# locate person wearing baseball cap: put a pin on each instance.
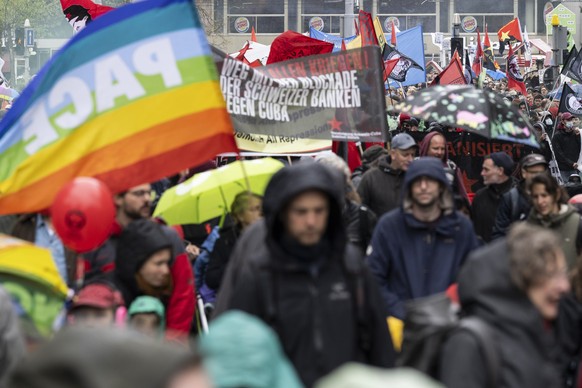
(515, 204)
(566, 143)
(381, 186)
(95, 305)
(496, 172)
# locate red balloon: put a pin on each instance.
(83, 214)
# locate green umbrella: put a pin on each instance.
(209, 194)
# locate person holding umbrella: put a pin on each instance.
(246, 209)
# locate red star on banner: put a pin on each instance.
(335, 124)
(468, 182)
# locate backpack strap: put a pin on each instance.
(484, 335)
(514, 195)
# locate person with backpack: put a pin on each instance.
(418, 249)
(515, 286)
(515, 204)
(297, 272)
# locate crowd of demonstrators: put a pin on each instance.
(317, 264)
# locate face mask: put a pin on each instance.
(569, 124)
(549, 121)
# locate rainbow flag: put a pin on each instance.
(130, 99)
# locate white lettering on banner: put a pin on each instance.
(336, 98)
(36, 122)
(80, 96)
(157, 57)
(273, 111)
(240, 106)
(113, 79)
(234, 68)
(230, 86)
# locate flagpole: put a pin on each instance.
(402, 87)
(553, 154)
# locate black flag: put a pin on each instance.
(570, 102)
(573, 66)
(404, 64)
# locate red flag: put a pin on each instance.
(367, 31)
(478, 56)
(79, 13)
(253, 35)
(291, 45)
(343, 45)
(514, 77)
(511, 32)
(393, 34)
(354, 160)
(488, 57)
(452, 74)
(389, 66)
(356, 27)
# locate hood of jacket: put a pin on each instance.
(136, 243)
(385, 165)
(149, 305)
(486, 290)
(553, 220)
(12, 348)
(299, 178)
(425, 143)
(432, 168)
(99, 358)
(240, 350)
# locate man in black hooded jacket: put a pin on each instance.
(295, 271)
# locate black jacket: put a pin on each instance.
(360, 223)
(506, 215)
(380, 187)
(569, 335)
(567, 149)
(524, 346)
(307, 294)
(220, 255)
(484, 207)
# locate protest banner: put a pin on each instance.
(468, 151)
(337, 96)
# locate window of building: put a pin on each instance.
(266, 16)
(493, 13)
(408, 14)
(325, 15)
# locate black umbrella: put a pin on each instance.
(475, 110)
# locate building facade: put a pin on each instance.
(231, 21)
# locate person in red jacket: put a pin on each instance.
(135, 204)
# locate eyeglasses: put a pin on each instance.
(141, 193)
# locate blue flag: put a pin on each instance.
(411, 44)
(335, 39)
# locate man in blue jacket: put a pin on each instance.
(418, 249)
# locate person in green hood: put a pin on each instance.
(240, 350)
(147, 315)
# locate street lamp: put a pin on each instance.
(456, 40)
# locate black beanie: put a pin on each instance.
(501, 159)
